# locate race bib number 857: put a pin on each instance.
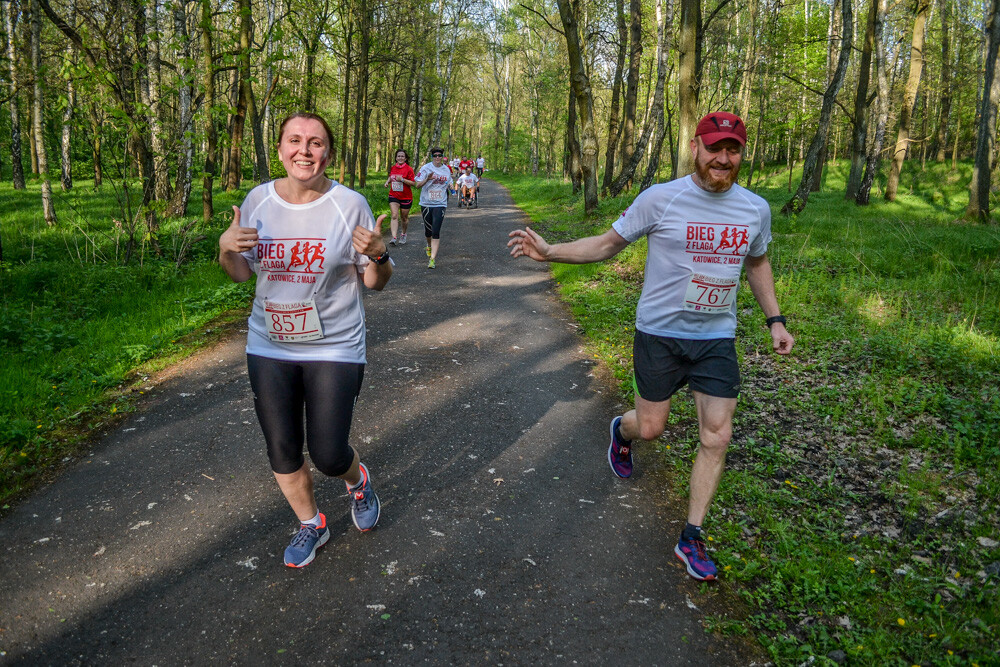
(292, 322)
(708, 294)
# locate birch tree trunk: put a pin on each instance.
(798, 201)
(211, 134)
(614, 129)
(749, 62)
(508, 104)
(632, 86)
(654, 118)
(572, 161)
(585, 103)
(48, 209)
(874, 157)
(66, 165)
(185, 161)
(150, 88)
(345, 115)
(833, 25)
(859, 131)
(17, 169)
(418, 113)
(361, 141)
(234, 177)
(95, 146)
(664, 17)
(446, 79)
(909, 97)
(687, 84)
(979, 187)
(944, 105)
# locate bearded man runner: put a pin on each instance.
(685, 325)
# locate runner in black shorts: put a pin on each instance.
(401, 178)
(702, 230)
(433, 179)
(664, 365)
(313, 246)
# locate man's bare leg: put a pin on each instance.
(715, 430)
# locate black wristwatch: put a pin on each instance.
(381, 259)
(771, 320)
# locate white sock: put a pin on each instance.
(315, 522)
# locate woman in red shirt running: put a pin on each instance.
(401, 177)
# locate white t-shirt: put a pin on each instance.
(468, 180)
(480, 162)
(304, 252)
(698, 241)
(434, 192)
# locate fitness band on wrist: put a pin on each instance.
(381, 259)
(771, 320)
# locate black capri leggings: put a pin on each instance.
(326, 390)
(433, 219)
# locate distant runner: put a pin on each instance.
(312, 244)
(701, 230)
(401, 177)
(480, 165)
(468, 184)
(433, 179)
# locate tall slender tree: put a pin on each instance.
(10, 22)
(798, 201)
(922, 8)
(859, 121)
(568, 12)
(687, 83)
(979, 188)
(48, 208)
(874, 157)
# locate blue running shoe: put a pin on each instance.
(620, 453)
(692, 554)
(303, 548)
(365, 507)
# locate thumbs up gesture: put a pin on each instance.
(237, 239)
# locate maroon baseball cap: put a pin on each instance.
(721, 125)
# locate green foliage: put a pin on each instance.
(865, 468)
(75, 322)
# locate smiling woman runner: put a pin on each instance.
(401, 177)
(311, 243)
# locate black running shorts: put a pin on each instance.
(433, 217)
(664, 365)
(324, 392)
(403, 203)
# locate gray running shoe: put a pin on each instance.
(365, 507)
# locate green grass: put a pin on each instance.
(865, 467)
(78, 323)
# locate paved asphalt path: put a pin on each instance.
(504, 536)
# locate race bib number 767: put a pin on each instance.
(708, 294)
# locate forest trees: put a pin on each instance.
(182, 95)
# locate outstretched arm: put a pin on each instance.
(525, 242)
(761, 280)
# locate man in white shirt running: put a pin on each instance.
(702, 230)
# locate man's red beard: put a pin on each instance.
(710, 182)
